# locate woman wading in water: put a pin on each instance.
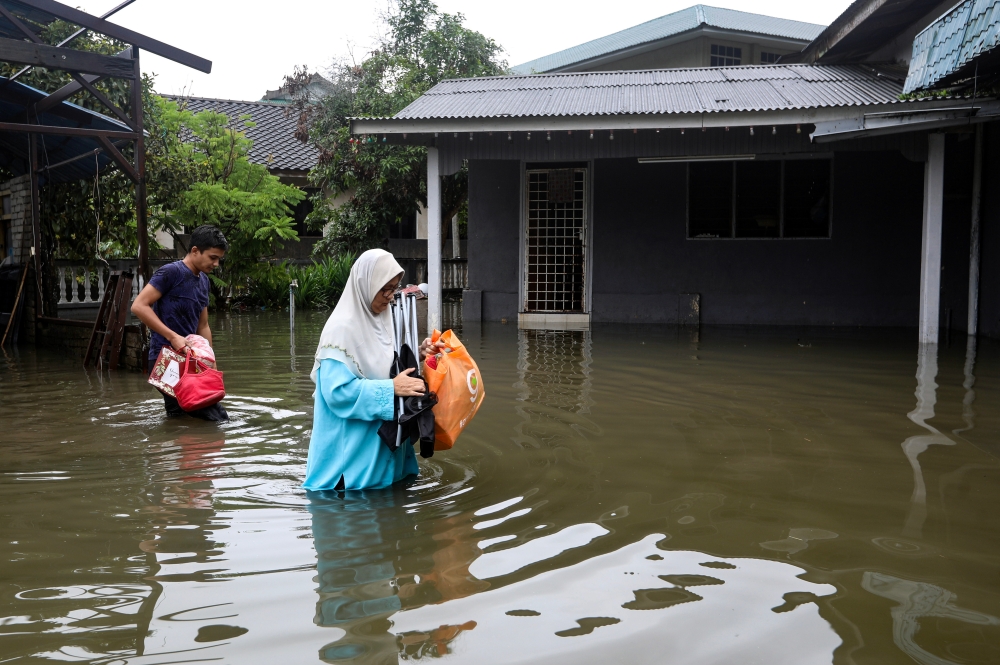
(354, 393)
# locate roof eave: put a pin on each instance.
(706, 119)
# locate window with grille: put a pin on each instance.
(726, 56)
(759, 199)
(555, 240)
(768, 58)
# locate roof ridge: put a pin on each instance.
(218, 99)
(699, 13)
(642, 71)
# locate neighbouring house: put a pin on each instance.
(274, 145)
(801, 193)
(314, 90)
(699, 36)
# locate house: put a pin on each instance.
(809, 193)
(274, 145)
(315, 89)
(699, 36)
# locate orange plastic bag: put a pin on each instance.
(459, 388)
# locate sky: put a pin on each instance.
(253, 44)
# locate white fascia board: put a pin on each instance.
(624, 122)
(901, 120)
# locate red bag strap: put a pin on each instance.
(187, 362)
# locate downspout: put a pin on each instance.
(974, 251)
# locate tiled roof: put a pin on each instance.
(674, 24)
(661, 91)
(943, 48)
(274, 135)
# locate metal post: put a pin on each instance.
(456, 242)
(294, 284)
(36, 222)
(930, 249)
(434, 309)
(140, 168)
(974, 252)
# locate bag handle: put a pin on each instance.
(198, 362)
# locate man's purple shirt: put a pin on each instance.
(183, 297)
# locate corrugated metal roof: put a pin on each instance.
(16, 99)
(943, 48)
(715, 89)
(669, 25)
(274, 135)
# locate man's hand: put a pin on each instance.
(179, 343)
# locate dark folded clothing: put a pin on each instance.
(417, 418)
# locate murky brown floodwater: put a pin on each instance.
(627, 495)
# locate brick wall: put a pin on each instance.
(20, 220)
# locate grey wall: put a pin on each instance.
(866, 274)
(956, 218)
(494, 227)
(989, 276)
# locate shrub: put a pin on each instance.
(319, 284)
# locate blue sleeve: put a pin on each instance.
(352, 398)
(164, 279)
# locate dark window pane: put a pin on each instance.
(736, 52)
(758, 199)
(299, 213)
(710, 200)
(807, 198)
(715, 49)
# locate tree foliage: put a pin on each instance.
(197, 172)
(384, 183)
(203, 176)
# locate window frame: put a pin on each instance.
(771, 54)
(781, 207)
(721, 54)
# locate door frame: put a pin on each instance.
(560, 319)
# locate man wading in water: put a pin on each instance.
(181, 289)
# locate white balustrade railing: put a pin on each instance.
(79, 285)
(454, 274)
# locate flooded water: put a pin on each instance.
(634, 494)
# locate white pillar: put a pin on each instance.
(456, 243)
(434, 309)
(930, 246)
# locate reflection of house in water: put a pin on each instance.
(920, 602)
(643, 604)
(554, 386)
(927, 369)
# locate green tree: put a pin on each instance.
(202, 175)
(385, 182)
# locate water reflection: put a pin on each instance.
(916, 601)
(643, 603)
(926, 393)
(364, 576)
(628, 494)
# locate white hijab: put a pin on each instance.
(353, 334)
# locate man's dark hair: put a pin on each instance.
(206, 237)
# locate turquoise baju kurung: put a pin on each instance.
(345, 442)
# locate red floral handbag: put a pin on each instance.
(200, 386)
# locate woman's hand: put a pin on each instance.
(429, 348)
(405, 385)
